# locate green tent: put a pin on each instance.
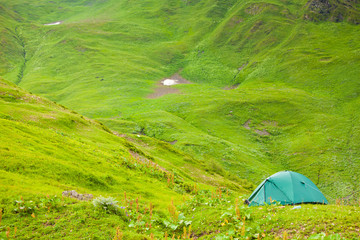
(286, 187)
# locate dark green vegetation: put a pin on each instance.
(292, 70)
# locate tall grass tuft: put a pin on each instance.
(237, 211)
(137, 204)
(217, 194)
(173, 213)
(170, 179)
(285, 235)
(185, 234)
(118, 235)
(243, 228)
(196, 189)
(8, 233)
(151, 208)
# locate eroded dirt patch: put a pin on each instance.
(232, 87)
(246, 125)
(270, 123)
(262, 132)
(173, 142)
(164, 88)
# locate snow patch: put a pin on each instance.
(54, 23)
(169, 82)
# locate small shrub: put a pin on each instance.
(28, 207)
(25, 207)
(51, 203)
(109, 204)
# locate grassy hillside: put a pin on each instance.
(47, 148)
(295, 78)
(292, 71)
(273, 86)
(41, 138)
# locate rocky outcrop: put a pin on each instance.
(74, 194)
(333, 10)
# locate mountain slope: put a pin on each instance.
(291, 67)
(270, 85)
(47, 148)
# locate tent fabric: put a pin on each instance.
(286, 188)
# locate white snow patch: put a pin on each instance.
(54, 23)
(169, 82)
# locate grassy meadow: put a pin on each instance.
(274, 85)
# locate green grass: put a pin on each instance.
(51, 149)
(298, 75)
(207, 214)
(294, 70)
(47, 148)
(222, 219)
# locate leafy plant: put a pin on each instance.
(109, 204)
(51, 203)
(177, 224)
(25, 207)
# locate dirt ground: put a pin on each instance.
(162, 90)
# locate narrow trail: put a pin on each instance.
(20, 40)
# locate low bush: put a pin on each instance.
(109, 204)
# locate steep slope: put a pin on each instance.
(11, 49)
(292, 68)
(115, 51)
(306, 76)
(46, 148)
